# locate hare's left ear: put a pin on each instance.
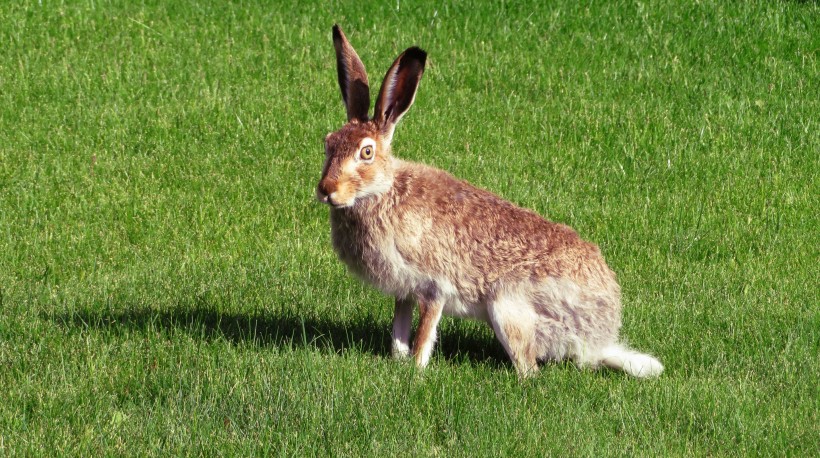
(399, 89)
(352, 78)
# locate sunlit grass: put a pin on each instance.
(167, 284)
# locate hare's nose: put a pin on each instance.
(325, 189)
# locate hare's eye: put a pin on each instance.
(366, 153)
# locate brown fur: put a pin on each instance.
(418, 233)
(488, 240)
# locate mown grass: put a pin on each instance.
(167, 284)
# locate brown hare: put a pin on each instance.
(427, 238)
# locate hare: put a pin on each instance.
(425, 237)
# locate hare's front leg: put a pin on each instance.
(429, 316)
(402, 322)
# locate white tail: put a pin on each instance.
(632, 362)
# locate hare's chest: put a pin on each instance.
(372, 254)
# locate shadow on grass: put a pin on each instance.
(285, 331)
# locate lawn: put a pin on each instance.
(167, 284)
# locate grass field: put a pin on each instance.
(167, 284)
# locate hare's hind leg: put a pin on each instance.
(402, 322)
(513, 320)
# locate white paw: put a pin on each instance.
(400, 349)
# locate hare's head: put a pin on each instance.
(357, 156)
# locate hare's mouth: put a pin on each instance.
(341, 205)
(329, 200)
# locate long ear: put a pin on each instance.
(399, 89)
(352, 77)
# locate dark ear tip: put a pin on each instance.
(416, 53)
(337, 32)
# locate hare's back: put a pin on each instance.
(456, 225)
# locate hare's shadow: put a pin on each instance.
(368, 335)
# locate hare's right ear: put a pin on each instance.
(352, 78)
(399, 89)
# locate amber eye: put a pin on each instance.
(366, 153)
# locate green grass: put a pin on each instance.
(167, 284)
